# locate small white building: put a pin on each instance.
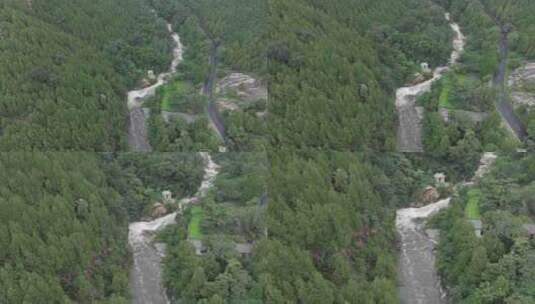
(440, 179)
(167, 197)
(425, 67)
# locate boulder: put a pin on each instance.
(429, 195)
(158, 210)
(418, 78)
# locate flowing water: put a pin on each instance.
(409, 135)
(146, 274)
(137, 130)
(419, 281)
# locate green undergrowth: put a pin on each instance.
(472, 207)
(194, 227)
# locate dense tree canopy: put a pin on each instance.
(65, 66)
(316, 205)
(498, 267)
(62, 230)
(333, 68)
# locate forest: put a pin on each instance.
(306, 246)
(339, 65)
(64, 220)
(498, 266)
(474, 124)
(304, 203)
(220, 38)
(62, 230)
(65, 69)
(231, 215)
(352, 258)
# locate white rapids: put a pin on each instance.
(409, 130)
(145, 277)
(419, 281)
(136, 97)
(137, 129)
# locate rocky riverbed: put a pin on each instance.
(419, 282)
(146, 274)
(137, 130)
(409, 136)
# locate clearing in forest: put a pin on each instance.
(472, 206)
(194, 227)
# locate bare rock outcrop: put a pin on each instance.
(522, 84)
(238, 88)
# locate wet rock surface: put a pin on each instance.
(409, 134)
(419, 282)
(146, 274)
(137, 129)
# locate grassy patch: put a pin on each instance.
(472, 207)
(463, 80)
(173, 94)
(194, 227)
(444, 99)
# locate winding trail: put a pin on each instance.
(409, 134)
(146, 274)
(419, 281)
(137, 129)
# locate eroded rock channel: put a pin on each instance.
(146, 274)
(418, 279)
(137, 129)
(409, 134)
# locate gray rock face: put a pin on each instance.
(245, 86)
(138, 139)
(410, 129)
(522, 83)
(145, 277)
(419, 281)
